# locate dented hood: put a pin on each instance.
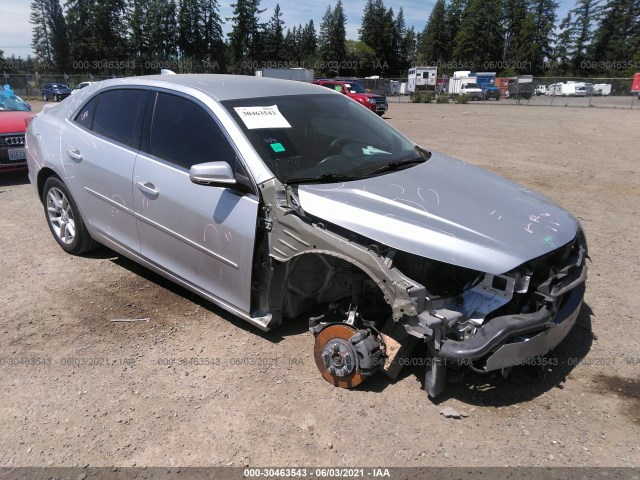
(446, 210)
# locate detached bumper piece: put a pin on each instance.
(511, 340)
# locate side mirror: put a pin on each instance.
(212, 173)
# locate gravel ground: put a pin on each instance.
(78, 389)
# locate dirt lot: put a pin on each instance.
(78, 389)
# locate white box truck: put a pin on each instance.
(463, 83)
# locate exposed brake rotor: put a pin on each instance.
(336, 358)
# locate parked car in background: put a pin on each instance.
(635, 85)
(541, 90)
(375, 103)
(282, 201)
(80, 86)
(55, 91)
(15, 115)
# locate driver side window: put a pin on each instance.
(185, 134)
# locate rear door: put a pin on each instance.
(203, 234)
(99, 150)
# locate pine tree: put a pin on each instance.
(561, 60)
(545, 16)
(309, 41)
(214, 48)
(585, 16)
(41, 43)
(617, 38)
(80, 21)
(332, 47)
(453, 19)
(400, 51)
(515, 12)
(246, 37)
(58, 35)
(478, 42)
(434, 41)
(274, 38)
(412, 40)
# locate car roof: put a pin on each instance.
(223, 87)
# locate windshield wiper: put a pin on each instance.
(396, 165)
(325, 177)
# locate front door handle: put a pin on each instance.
(74, 153)
(148, 188)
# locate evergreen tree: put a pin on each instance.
(332, 47)
(478, 42)
(585, 16)
(561, 61)
(309, 41)
(400, 49)
(453, 19)
(411, 41)
(40, 43)
(545, 16)
(58, 35)
(214, 48)
(274, 38)
(527, 49)
(246, 36)
(617, 38)
(515, 12)
(434, 42)
(80, 20)
(109, 30)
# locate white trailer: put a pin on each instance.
(603, 89)
(573, 89)
(422, 78)
(299, 74)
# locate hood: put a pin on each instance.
(446, 210)
(14, 121)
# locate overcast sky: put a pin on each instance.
(15, 29)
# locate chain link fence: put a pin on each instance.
(30, 85)
(524, 90)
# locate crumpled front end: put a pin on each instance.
(505, 320)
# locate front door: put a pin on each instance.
(203, 234)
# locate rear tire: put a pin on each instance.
(64, 219)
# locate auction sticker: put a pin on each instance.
(262, 117)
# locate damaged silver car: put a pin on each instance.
(283, 201)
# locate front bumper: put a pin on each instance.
(511, 340)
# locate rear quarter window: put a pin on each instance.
(84, 117)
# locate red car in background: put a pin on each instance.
(355, 91)
(635, 86)
(15, 115)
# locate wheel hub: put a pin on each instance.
(336, 358)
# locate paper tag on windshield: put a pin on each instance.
(262, 117)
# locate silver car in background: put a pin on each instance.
(281, 201)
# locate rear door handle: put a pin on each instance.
(74, 153)
(148, 188)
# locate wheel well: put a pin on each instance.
(43, 175)
(311, 280)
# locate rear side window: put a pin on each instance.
(185, 134)
(84, 118)
(119, 115)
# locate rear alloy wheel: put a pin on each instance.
(65, 221)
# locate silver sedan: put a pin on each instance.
(284, 201)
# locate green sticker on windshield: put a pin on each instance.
(277, 147)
